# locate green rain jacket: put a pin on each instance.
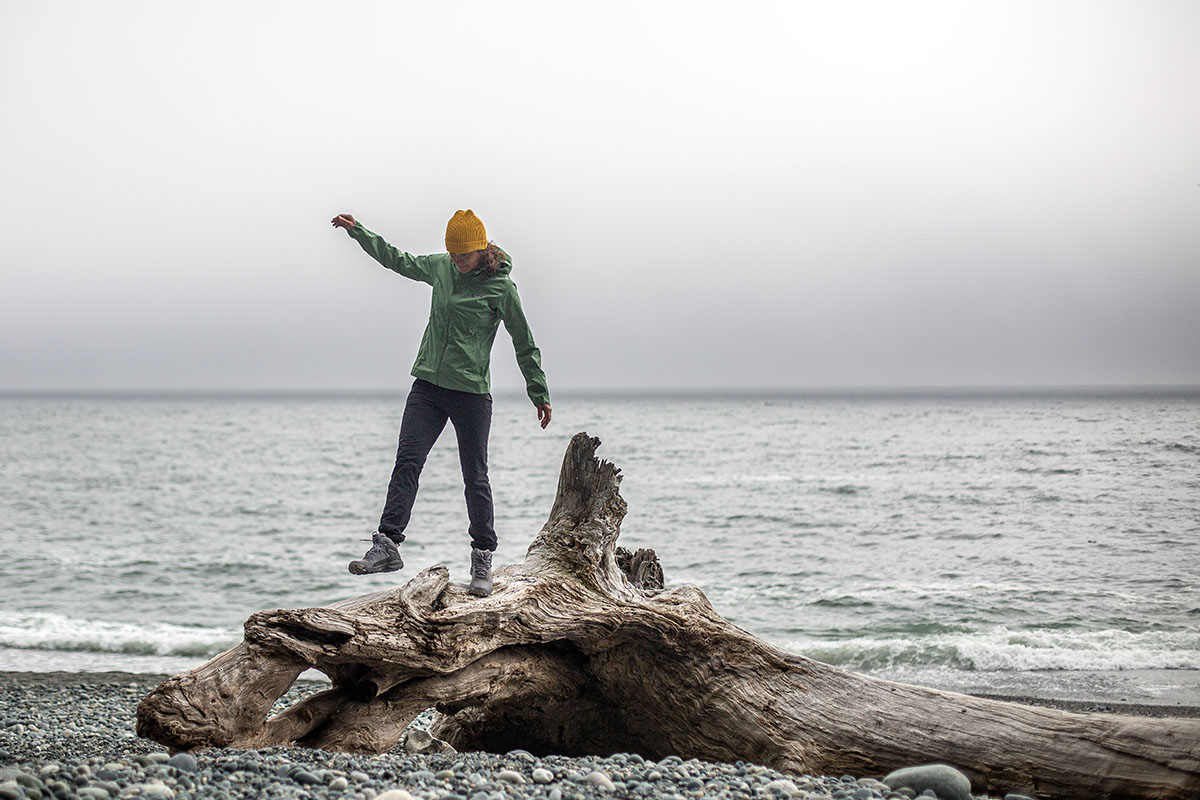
(465, 311)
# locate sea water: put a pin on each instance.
(1013, 542)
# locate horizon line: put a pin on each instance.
(659, 391)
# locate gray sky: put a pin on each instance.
(732, 195)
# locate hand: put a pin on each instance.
(344, 221)
(544, 414)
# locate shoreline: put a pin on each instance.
(150, 680)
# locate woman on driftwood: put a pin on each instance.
(472, 295)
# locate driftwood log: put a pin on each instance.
(580, 650)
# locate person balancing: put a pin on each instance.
(472, 295)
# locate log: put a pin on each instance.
(581, 650)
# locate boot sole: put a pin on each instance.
(388, 566)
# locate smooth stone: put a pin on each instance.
(93, 792)
(1013, 796)
(784, 786)
(157, 790)
(693, 785)
(339, 785)
(541, 775)
(480, 796)
(443, 775)
(9, 790)
(420, 775)
(654, 775)
(184, 762)
(307, 778)
(509, 776)
(601, 781)
(394, 794)
(555, 794)
(21, 777)
(943, 780)
(159, 758)
(862, 794)
(522, 754)
(359, 777)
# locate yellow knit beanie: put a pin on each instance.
(465, 233)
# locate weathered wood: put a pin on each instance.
(580, 650)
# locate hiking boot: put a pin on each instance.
(481, 573)
(383, 556)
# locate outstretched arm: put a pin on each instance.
(418, 268)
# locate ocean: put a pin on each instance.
(1041, 543)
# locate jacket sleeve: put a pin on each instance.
(529, 358)
(419, 268)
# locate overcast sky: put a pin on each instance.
(731, 195)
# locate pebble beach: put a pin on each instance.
(68, 735)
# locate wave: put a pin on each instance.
(57, 632)
(1003, 650)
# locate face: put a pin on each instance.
(467, 261)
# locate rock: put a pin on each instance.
(509, 776)
(524, 755)
(9, 790)
(444, 775)
(339, 785)
(394, 794)
(601, 781)
(156, 790)
(306, 778)
(21, 777)
(159, 758)
(184, 762)
(541, 775)
(555, 794)
(1012, 796)
(360, 777)
(421, 742)
(944, 781)
(783, 787)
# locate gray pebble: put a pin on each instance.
(305, 777)
(541, 775)
(555, 794)
(510, 776)
(339, 785)
(600, 781)
(785, 787)
(391, 794)
(9, 790)
(184, 762)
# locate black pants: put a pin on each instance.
(425, 416)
